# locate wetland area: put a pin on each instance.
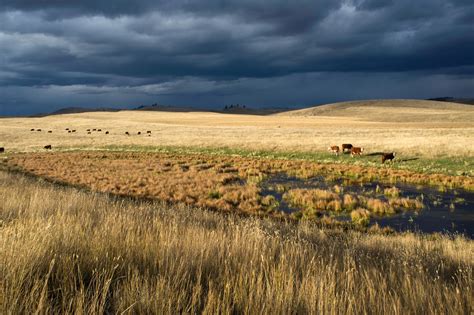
(449, 211)
(356, 196)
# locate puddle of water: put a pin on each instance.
(438, 214)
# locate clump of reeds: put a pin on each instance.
(379, 206)
(360, 216)
(350, 201)
(406, 203)
(392, 192)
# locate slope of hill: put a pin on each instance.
(397, 110)
(469, 101)
(76, 110)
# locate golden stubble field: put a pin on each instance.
(439, 130)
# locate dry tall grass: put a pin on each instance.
(68, 251)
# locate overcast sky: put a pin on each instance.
(121, 53)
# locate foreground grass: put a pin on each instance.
(69, 251)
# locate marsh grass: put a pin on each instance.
(68, 251)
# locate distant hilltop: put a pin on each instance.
(77, 110)
(246, 110)
(469, 101)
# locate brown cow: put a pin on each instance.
(388, 156)
(106, 132)
(334, 149)
(127, 133)
(139, 133)
(38, 129)
(50, 131)
(148, 131)
(356, 151)
(99, 129)
(48, 147)
(74, 130)
(32, 129)
(346, 147)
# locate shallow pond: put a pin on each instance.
(451, 211)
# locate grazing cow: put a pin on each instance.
(106, 132)
(48, 147)
(74, 130)
(99, 129)
(334, 149)
(88, 132)
(356, 151)
(32, 129)
(69, 131)
(94, 129)
(139, 133)
(2, 149)
(388, 156)
(346, 147)
(148, 131)
(50, 131)
(127, 133)
(38, 129)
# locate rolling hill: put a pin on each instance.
(396, 110)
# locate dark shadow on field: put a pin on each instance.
(408, 159)
(374, 153)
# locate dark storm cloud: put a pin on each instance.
(182, 47)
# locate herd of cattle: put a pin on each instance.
(345, 148)
(89, 131)
(349, 148)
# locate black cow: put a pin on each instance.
(388, 156)
(2, 149)
(48, 147)
(346, 147)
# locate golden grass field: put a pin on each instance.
(411, 128)
(120, 232)
(68, 251)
